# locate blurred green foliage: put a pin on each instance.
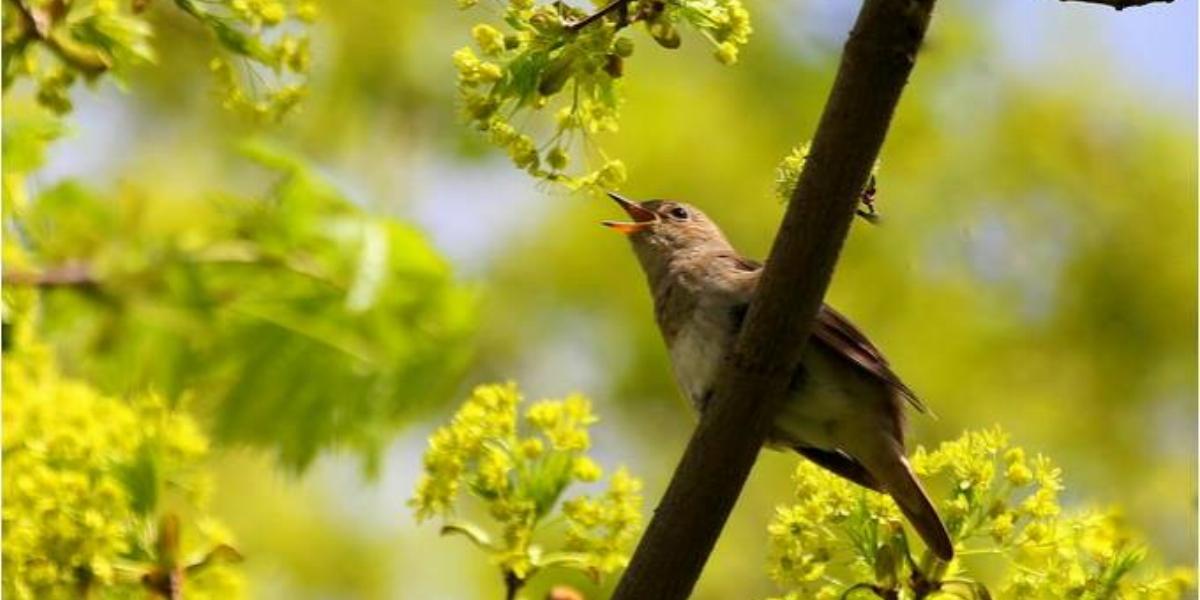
(234, 296)
(1035, 266)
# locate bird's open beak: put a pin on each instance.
(642, 218)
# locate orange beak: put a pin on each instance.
(642, 218)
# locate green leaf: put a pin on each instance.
(472, 532)
(885, 566)
(223, 554)
(298, 322)
(28, 131)
(142, 481)
(573, 560)
(371, 271)
(545, 481)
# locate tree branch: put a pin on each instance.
(40, 25)
(512, 585)
(762, 367)
(68, 275)
(1121, 4)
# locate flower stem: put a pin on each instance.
(512, 585)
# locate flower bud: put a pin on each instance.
(623, 47)
(488, 38)
(557, 158)
(614, 66)
(545, 21)
(612, 174)
(585, 469)
(555, 76)
(665, 34)
(726, 53)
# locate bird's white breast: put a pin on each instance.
(696, 353)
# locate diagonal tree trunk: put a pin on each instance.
(759, 372)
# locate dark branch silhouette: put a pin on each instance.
(760, 371)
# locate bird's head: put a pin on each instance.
(665, 230)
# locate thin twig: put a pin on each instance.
(1121, 4)
(608, 8)
(512, 585)
(69, 275)
(82, 58)
(859, 587)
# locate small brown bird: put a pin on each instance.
(849, 419)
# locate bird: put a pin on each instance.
(849, 418)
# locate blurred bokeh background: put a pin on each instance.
(1036, 267)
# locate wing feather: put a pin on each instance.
(834, 331)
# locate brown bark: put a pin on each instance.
(72, 274)
(760, 370)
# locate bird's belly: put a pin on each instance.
(695, 356)
(835, 410)
(813, 418)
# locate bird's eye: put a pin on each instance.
(678, 212)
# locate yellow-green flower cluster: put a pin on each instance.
(60, 518)
(83, 473)
(564, 423)
(540, 64)
(604, 527)
(267, 13)
(995, 491)
(263, 71)
(1088, 556)
(519, 471)
(488, 414)
(726, 23)
(994, 499)
(533, 61)
(56, 47)
(787, 174)
(834, 522)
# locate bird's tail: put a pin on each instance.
(906, 490)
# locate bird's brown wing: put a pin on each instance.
(836, 332)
